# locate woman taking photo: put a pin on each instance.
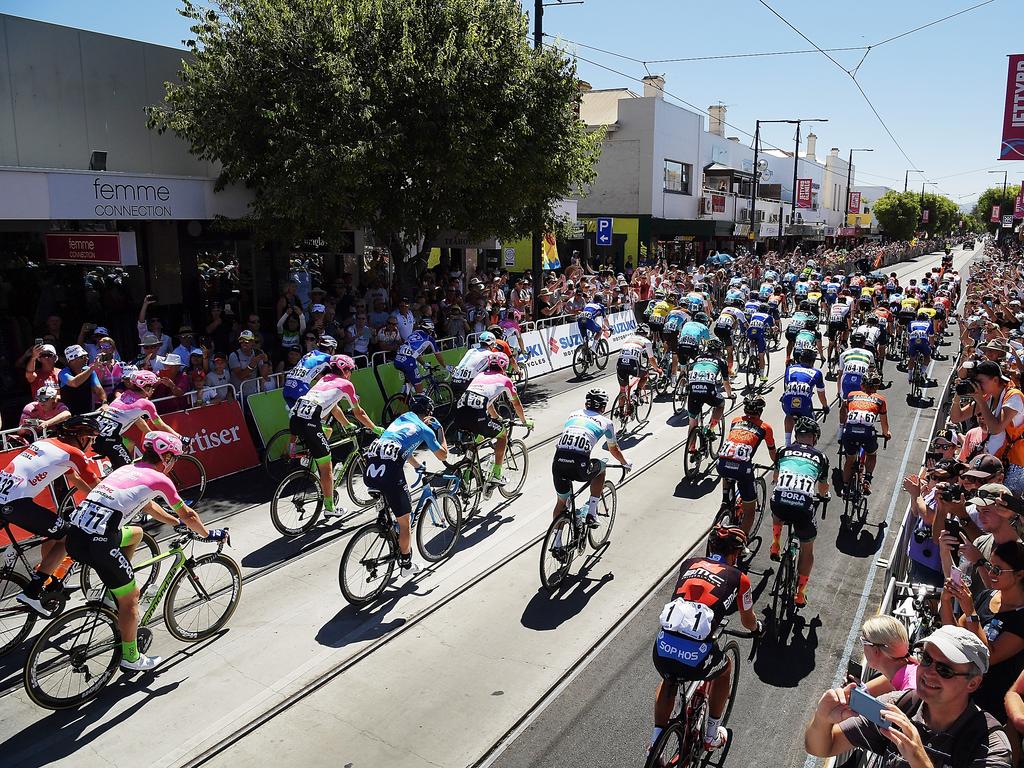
(887, 650)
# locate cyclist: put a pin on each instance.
(635, 359)
(708, 588)
(309, 368)
(807, 338)
(873, 336)
(477, 414)
(692, 335)
(908, 307)
(676, 319)
(586, 321)
(838, 326)
(708, 374)
(920, 341)
(117, 418)
(34, 470)
(885, 320)
(735, 462)
(472, 363)
(800, 471)
(657, 298)
(864, 409)
(572, 462)
(761, 323)
(659, 313)
(731, 320)
(101, 534)
(420, 341)
(307, 417)
(385, 471)
(801, 319)
(854, 363)
(800, 381)
(510, 328)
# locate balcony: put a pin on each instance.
(728, 206)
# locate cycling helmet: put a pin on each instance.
(143, 379)
(805, 425)
(763, 307)
(753, 404)
(643, 330)
(805, 306)
(163, 443)
(497, 361)
(738, 303)
(922, 315)
(80, 425)
(596, 400)
(328, 343)
(872, 380)
(426, 324)
(807, 357)
(872, 320)
(342, 363)
(599, 298)
(858, 339)
(487, 339)
(726, 539)
(421, 405)
(46, 393)
(714, 346)
(701, 317)
(658, 294)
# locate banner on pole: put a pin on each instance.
(994, 218)
(803, 193)
(854, 206)
(1018, 208)
(1012, 147)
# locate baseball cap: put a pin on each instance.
(195, 352)
(149, 340)
(49, 348)
(949, 467)
(185, 329)
(246, 336)
(219, 356)
(983, 466)
(100, 331)
(74, 352)
(989, 368)
(996, 493)
(960, 646)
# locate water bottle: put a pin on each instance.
(993, 629)
(965, 570)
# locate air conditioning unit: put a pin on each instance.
(774, 219)
(744, 215)
(705, 206)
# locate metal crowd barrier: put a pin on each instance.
(15, 437)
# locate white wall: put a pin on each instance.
(677, 136)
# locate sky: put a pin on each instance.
(939, 91)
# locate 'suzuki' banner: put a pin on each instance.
(803, 193)
(1013, 119)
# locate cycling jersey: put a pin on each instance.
(831, 291)
(734, 294)
(771, 275)
(414, 347)
(37, 466)
(659, 313)
(692, 334)
(930, 311)
(675, 320)
(695, 301)
(839, 312)
(120, 498)
(403, 436)
(472, 363)
(706, 375)
(909, 304)
(801, 468)
(797, 323)
(863, 411)
(300, 378)
(586, 320)
(800, 383)
(766, 290)
(751, 307)
(325, 394)
(921, 330)
(854, 363)
(582, 431)
(802, 288)
(123, 411)
(814, 296)
(871, 332)
(745, 434)
(485, 389)
(637, 348)
(805, 339)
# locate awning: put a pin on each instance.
(718, 169)
(668, 229)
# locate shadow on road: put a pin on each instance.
(546, 611)
(284, 549)
(855, 539)
(785, 663)
(688, 489)
(352, 625)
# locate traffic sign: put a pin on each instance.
(1008, 221)
(604, 230)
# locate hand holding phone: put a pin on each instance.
(866, 705)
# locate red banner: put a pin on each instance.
(924, 216)
(717, 203)
(855, 203)
(1018, 208)
(220, 438)
(83, 248)
(1012, 147)
(994, 218)
(803, 193)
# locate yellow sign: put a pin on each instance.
(549, 253)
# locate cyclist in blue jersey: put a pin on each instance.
(761, 322)
(676, 319)
(831, 290)
(920, 340)
(734, 294)
(802, 379)
(301, 378)
(385, 466)
(419, 342)
(771, 275)
(587, 318)
(692, 336)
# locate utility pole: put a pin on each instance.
(849, 181)
(796, 165)
(753, 182)
(906, 177)
(1002, 199)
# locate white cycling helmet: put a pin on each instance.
(163, 443)
(143, 378)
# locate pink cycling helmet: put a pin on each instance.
(497, 360)
(142, 379)
(342, 363)
(163, 443)
(517, 315)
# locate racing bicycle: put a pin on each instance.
(730, 511)
(855, 501)
(586, 356)
(472, 488)
(282, 455)
(784, 588)
(635, 405)
(707, 444)
(436, 387)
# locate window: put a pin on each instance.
(677, 177)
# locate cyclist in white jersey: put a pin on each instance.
(472, 363)
(636, 358)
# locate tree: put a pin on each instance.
(943, 215)
(990, 197)
(405, 116)
(898, 213)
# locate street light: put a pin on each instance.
(849, 176)
(906, 176)
(923, 183)
(1002, 199)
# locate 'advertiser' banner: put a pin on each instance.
(220, 438)
(803, 193)
(994, 218)
(855, 203)
(1012, 147)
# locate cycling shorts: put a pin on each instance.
(758, 341)
(670, 339)
(940, 313)
(25, 513)
(409, 369)
(674, 671)
(568, 467)
(687, 351)
(849, 383)
(724, 334)
(311, 433)
(588, 325)
(919, 346)
(388, 478)
(797, 405)
(905, 316)
(797, 509)
(105, 556)
(791, 333)
(695, 401)
(835, 327)
(857, 436)
(478, 421)
(624, 369)
(113, 448)
(742, 473)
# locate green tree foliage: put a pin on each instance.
(406, 116)
(943, 215)
(898, 213)
(992, 196)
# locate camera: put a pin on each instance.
(951, 492)
(922, 534)
(964, 387)
(953, 526)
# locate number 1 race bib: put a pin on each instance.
(686, 617)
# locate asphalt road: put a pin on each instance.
(604, 716)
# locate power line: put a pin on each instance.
(932, 23)
(747, 55)
(805, 37)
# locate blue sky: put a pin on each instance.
(939, 90)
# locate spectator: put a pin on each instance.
(378, 315)
(291, 326)
(887, 650)
(150, 346)
(108, 365)
(186, 342)
(292, 357)
(41, 369)
(999, 408)
(358, 336)
(215, 388)
(455, 324)
(923, 547)
(80, 388)
(316, 318)
(89, 336)
(46, 411)
(219, 327)
(267, 382)
(995, 510)
(198, 363)
(950, 730)
(153, 325)
(404, 317)
(244, 360)
(389, 337)
(332, 323)
(997, 621)
(252, 323)
(289, 298)
(309, 341)
(174, 384)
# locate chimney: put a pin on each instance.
(654, 85)
(812, 142)
(734, 138)
(584, 86)
(716, 119)
(834, 152)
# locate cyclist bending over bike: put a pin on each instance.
(120, 415)
(735, 462)
(802, 379)
(586, 321)
(101, 534)
(477, 415)
(420, 341)
(801, 470)
(920, 342)
(636, 358)
(708, 588)
(472, 363)
(306, 422)
(708, 374)
(385, 469)
(572, 462)
(864, 409)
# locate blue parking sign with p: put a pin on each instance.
(604, 230)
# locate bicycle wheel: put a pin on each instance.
(670, 748)
(438, 526)
(522, 377)
(732, 652)
(355, 485)
(444, 401)
(679, 396)
(619, 415)
(780, 593)
(642, 404)
(276, 459)
(73, 658)
(580, 361)
(16, 620)
(472, 490)
(558, 552)
(148, 548)
(750, 369)
(202, 597)
(395, 406)
(761, 492)
(692, 459)
(297, 502)
(516, 465)
(189, 474)
(606, 507)
(601, 355)
(716, 439)
(367, 564)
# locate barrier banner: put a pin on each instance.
(561, 340)
(220, 437)
(536, 349)
(268, 412)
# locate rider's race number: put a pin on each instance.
(306, 409)
(576, 441)
(108, 427)
(737, 451)
(91, 517)
(685, 617)
(474, 400)
(861, 417)
(405, 351)
(384, 449)
(794, 482)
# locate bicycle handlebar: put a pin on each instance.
(918, 589)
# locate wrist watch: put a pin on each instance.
(973, 618)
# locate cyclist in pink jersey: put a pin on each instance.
(476, 412)
(101, 535)
(123, 412)
(34, 470)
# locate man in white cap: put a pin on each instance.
(80, 388)
(934, 726)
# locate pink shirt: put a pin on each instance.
(906, 678)
(486, 388)
(124, 410)
(326, 394)
(120, 498)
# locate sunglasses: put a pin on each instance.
(48, 354)
(995, 570)
(944, 671)
(994, 498)
(869, 644)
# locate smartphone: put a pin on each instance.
(39, 342)
(863, 703)
(957, 576)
